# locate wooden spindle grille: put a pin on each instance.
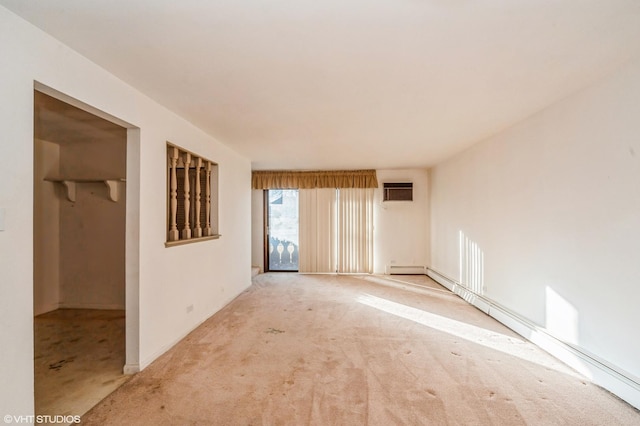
(191, 197)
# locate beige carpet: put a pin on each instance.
(350, 350)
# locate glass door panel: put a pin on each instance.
(282, 229)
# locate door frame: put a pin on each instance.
(265, 210)
(132, 221)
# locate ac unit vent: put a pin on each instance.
(398, 191)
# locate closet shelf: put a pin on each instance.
(70, 185)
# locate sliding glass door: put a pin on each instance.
(282, 229)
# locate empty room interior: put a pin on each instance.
(395, 212)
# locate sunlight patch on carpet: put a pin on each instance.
(478, 335)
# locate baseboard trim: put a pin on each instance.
(43, 309)
(108, 306)
(129, 369)
(602, 373)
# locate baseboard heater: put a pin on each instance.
(405, 270)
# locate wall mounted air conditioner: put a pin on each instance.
(397, 191)
(405, 270)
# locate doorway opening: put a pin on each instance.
(80, 246)
(282, 230)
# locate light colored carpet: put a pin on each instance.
(349, 350)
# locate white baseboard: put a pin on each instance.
(105, 306)
(404, 270)
(614, 379)
(43, 309)
(129, 369)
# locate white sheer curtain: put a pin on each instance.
(355, 230)
(317, 230)
(336, 230)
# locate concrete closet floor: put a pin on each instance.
(78, 359)
(300, 349)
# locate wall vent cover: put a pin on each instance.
(398, 191)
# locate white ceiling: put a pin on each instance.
(309, 84)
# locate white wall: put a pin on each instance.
(544, 220)
(79, 247)
(257, 228)
(46, 228)
(167, 283)
(401, 227)
(92, 229)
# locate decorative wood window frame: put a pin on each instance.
(192, 197)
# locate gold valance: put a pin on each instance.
(291, 179)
